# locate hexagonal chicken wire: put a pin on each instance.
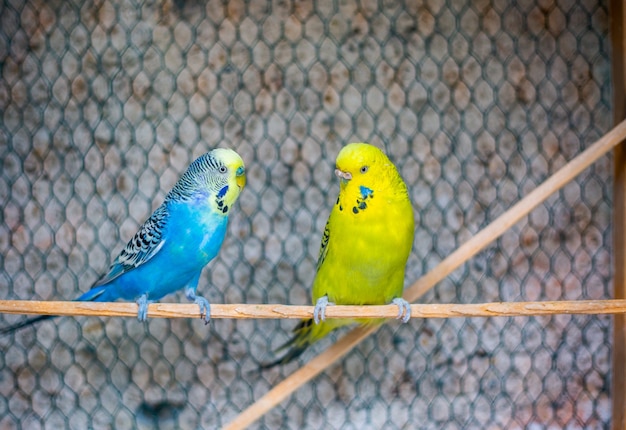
(103, 104)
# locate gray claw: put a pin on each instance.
(404, 309)
(319, 313)
(143, 302)
(205, 308)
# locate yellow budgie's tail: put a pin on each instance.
(306, 333)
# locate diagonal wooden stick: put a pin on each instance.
(275, 311)
(443, 269)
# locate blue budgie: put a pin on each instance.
(172, 247)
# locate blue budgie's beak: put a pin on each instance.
(240, 177)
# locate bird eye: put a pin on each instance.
(223, 169)
(364, 169)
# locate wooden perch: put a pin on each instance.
(246, 311)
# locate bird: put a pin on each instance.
(364, 248)
(176, 242)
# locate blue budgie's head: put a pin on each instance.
(218, 175)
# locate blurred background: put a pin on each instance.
(105, 103)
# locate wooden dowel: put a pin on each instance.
(271, 311)
(443, 269)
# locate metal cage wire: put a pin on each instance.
(104, 103)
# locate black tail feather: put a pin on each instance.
(291, 355)
(90, 296)
(297, 345)
(15, 327)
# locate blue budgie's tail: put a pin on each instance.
(90, 296)
(18, 326)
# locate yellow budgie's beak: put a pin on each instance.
(240, 177)
(343, 176)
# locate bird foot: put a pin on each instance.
(319, 313)
(143, 303)
(205, 306)
(404, 309)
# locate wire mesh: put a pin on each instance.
(105, 103)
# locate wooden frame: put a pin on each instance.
(618, 41)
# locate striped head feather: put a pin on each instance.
(218, 175)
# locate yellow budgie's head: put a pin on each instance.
(365, 171)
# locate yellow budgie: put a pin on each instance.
(365, 246)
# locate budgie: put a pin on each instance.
(365, 246)
(181, 236)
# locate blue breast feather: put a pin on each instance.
(191, 238)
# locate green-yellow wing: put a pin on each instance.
(324, 246)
